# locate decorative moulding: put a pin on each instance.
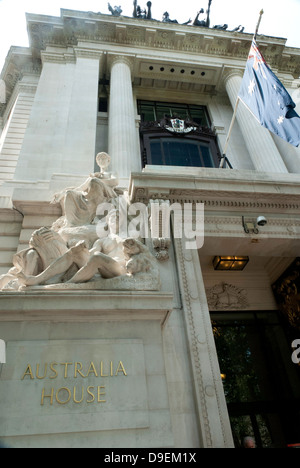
(225, 296)
(77, 306)
(218, 189)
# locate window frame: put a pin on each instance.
(187, 108)
(148, 132)
(155, 130)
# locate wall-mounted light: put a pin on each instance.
(230, 263)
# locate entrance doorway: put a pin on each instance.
(261, 383)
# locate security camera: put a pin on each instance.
(261, 221)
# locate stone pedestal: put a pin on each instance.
(84, 370)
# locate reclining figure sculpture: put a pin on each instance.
(76, 253)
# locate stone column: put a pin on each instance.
(290, 154)
(81, 128)
(61, 132)
(210, 400)
(260, 144)
(15, 127)
(123, 145)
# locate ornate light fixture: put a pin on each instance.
(230, 263)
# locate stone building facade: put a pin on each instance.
(139, 365)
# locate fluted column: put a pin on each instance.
(123, 142)
(260, 144)
(290, 154)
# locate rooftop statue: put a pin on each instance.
(203, 23)
(142, 14)
(240, 29)
(116, 11)
(222, 27)
(166, 19)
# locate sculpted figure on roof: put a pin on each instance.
(115, 11)
(203, 23)
(142, 14)
(166, 19)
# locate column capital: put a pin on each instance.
(232, 72)
(114, 59)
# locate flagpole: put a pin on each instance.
(229, 134)
(223, 158)
(258, 24)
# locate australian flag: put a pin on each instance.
(268, 100)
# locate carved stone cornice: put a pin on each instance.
(66, 55)
(74, 26)
(194, 48)
(19, 63)
(220, 190)
(61, 55)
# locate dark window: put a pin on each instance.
(103, 104)
(180, 152)
(155, 111)
(261, 384)
(195, 146)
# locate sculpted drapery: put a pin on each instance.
(71, 251)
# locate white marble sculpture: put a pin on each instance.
(71, 255)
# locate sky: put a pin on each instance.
(280, 19)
